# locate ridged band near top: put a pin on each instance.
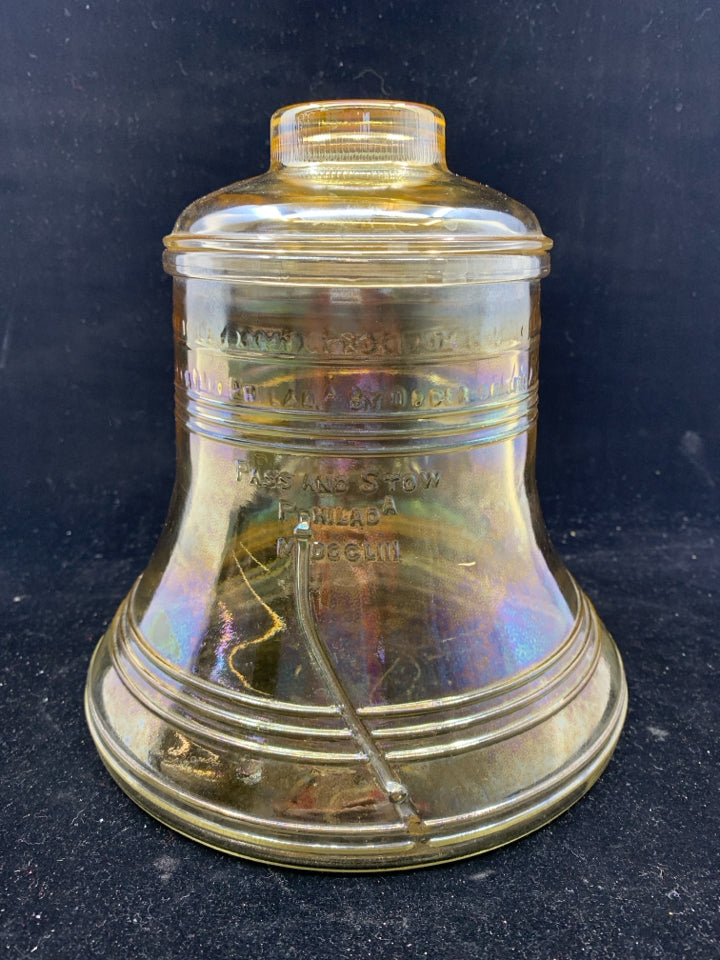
(357, 131)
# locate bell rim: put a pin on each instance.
(373, 847)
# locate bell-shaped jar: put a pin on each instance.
(354, 646)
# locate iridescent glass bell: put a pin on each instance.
(354, 646)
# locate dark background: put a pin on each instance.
(601, 116)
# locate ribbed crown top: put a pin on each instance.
(357, 131)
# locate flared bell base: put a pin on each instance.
(264, 781)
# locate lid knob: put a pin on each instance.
(357, 131)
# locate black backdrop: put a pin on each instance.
(603, 118)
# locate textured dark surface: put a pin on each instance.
(629, 872)
(602, 117)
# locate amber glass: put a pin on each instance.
(354, 647)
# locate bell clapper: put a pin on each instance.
(395, 791)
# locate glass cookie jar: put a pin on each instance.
(354, 647)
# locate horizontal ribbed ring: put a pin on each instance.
(412, 731)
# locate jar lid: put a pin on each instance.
(358, 193)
